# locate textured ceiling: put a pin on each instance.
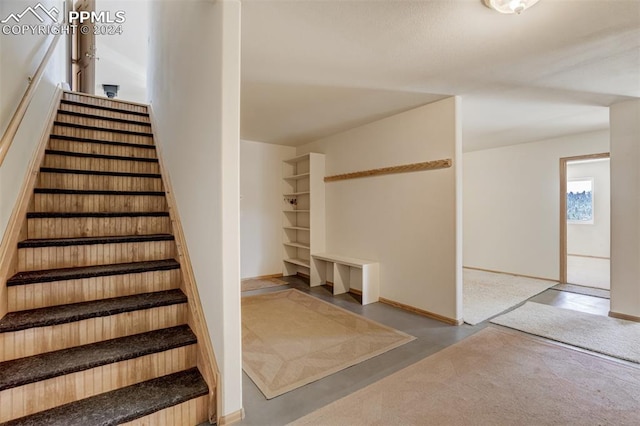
(311, 68)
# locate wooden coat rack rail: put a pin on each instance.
(405, 168)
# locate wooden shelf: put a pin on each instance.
(296, 177)
(295, 194)
(298, 245)
(296, 211)
(297, 159)
(297, 228)
(300, 262)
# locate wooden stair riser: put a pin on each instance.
(96, 226)
(102, 149)
(33, 341)
(38, 258)
(99, 164)
(192, 412)
(75, 203)
(46, 394)
(104, 123)
(89, 100)
(104, 135)
(41, 295)
(87, 109)
(98, 182)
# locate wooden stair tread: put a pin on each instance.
(101, 117)
(96, 192)
(101, 141)
(64, 274)
(84, 241)
(48, 365)
(123, 405)
(100, 156)
(98, 173)
(55, 315)
(106, 108)
(101, 129)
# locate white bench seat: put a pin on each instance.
(346, 271)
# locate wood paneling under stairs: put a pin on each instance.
(101, 147)
(89, 161)
(99, 328)
(74, 201)
(98, 180)
(101, 103)
(74, 225)
(40, 295)
(82, 108)
(38, 340)
(106, 251)
(76, 131)
(94, 120)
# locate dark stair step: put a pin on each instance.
(63, 274)
(105, 108)
(123, 405)
(85, 241)
(101, 141)
(96, 192)
(45, 366)
(98, 173)
(100, 117)
(102, 129)
(55, 315)
(100, 156)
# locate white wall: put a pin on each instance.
(512, 204)
(261, 207)
(625, 208)
(197, 111)
(407, 222)
(123, 57)
(592, 239)
(21, 55)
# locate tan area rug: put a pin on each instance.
(610, 336)
(495, 377)
(486, 294)
(258, 283)
(290, 339)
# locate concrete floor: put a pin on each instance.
(431, 336)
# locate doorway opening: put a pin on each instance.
(585, 222)
(83, 52)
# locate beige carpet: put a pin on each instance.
(610, 336)
(486, 294)
(290, 339)
(495, 377)
(258, 283)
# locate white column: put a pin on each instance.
(625, 209)
(229, 12)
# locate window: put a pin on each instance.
(580, 200)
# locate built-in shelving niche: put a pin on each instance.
(303, 225)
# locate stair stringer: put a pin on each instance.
(206, 361)
(17, 225)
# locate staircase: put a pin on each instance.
(98, 330)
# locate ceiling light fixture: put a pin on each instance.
(509, 6)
